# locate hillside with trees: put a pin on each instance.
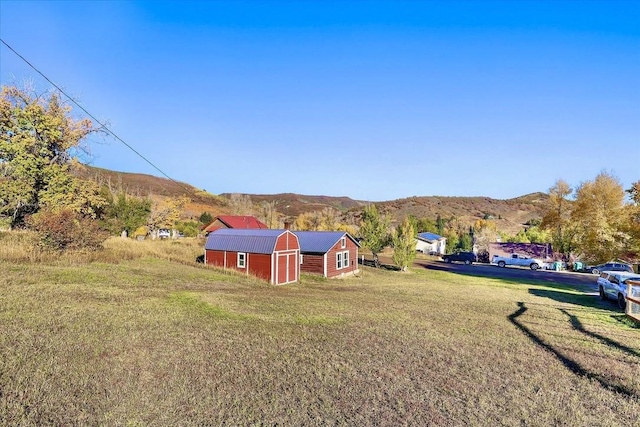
(71, 205)
(510, 216)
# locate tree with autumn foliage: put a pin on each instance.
(558, 219)
(633, 227)
(597, 224)
(38, 141)
(601, 217)
(404, 244)
(165, 214)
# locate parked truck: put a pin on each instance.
(519, 260)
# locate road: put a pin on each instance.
(581, 281)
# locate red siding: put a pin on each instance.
(287, 241)
(214, 258)
(287, 267)
(312, 264)
(260, 266)
(332, 270)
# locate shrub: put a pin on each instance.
(66, 230)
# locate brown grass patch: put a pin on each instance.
(150, 341)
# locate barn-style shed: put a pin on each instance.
(330, 253)
(272, 255)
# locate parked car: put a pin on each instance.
(613, 285)
(466, 257)
(164, 233)
(518, 260)
(610, 266)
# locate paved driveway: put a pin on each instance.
(581, 281)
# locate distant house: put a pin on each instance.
(272, 255)
(234, 221)
(329, 253)
(431, 243)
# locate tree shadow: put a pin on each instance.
(371, 263)
(569, 363)
(560, 294)
(577, 325)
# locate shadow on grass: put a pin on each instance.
(569, 363)
(577, 325)
(370, 263)
(588, 301)
(584, 300)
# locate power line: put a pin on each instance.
(104, 126)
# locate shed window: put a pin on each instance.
(343, 242)
(342, 260)
(242, 259)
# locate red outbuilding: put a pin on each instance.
(272, 255)
(234, 221)
(329, 253)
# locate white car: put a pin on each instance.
(518, 260)
(613, 285)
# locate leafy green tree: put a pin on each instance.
(188, 228)
(205, 218)
(453, 240)
(38, 138)
(465, 243)
(127, 213)
(404, 244)
(440, 224)
(374, 230)
(422, 225)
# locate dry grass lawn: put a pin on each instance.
(157, 340)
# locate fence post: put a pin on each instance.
(633, 300)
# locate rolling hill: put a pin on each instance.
(510, 215)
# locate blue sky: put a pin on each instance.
(371, 100)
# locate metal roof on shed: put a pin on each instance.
(320, 241)
(429, 236)
(258, 241)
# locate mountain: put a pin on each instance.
(510, 215)
(143, 185)
(292, 205)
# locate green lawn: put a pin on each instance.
(155, 342)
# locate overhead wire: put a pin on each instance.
(103, 125)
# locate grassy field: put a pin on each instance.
(141, 335)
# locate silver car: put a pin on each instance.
(613, 285)
(610, 266)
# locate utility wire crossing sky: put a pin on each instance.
(371, 100)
